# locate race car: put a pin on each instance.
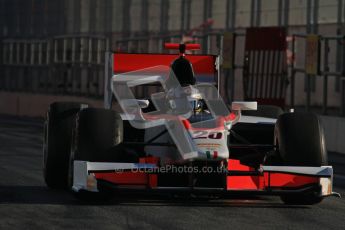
(182, 138)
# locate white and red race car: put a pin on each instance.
(182, 138)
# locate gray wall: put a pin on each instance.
(30, 20)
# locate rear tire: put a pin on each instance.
(57, 142)
(301, 142)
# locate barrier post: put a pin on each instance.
(325, 76)
(108, 66)
(293, 72)
(312, 61)
(342, 96)
(227, 61)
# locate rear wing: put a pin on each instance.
(206, 67)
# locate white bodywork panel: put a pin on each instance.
(217, 148)
(244, 105)
(208, 148)
(318, 171)
(252, 119)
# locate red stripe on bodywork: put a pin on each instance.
(236, 165)
(133, 177)
(288, 180)
(126, 178)
(242, 182)
(152, 178)
(215, 154)
(269, 180)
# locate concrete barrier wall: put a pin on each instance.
(35, 105)
(334, 128)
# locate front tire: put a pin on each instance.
(300, 141)
(98, 133)
(57, 142)
(302, 199)
(98, 137)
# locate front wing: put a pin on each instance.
(271, 180)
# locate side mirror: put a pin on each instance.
(134, 103)
(143, 103)
(244, 105)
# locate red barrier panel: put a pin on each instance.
(265, 65)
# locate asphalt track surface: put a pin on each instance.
(26, 203)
